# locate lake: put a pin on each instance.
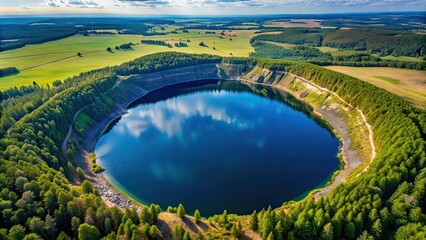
(214, 146)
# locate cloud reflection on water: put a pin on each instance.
(169, 116)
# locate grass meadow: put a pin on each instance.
(58, 60)
(407, 83)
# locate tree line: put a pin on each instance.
(313, 55)
(8, 71)
(156, 42)
(379, 41)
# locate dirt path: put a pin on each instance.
(349, 156)
(57, 60)
(373, 147)
(65, 142)
(40, 54)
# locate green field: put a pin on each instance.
(388, 79)
(44, 63)
(403, 58)
(289, 45)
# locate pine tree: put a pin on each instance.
(266, 225)
(237, 230)
(270, 236)
(223, 220)
(144, 215)
(234, 231)
(154, 210)
(187, 235)
(181, 211)
(327, 232)
(279, 230)
(254, 221)
(197, 216)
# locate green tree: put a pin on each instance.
(376, 229)
(144, 215)
(154, 232)
(197, 216)
(87, 187)
(17, 232)
(181, 211)
(237, 230)
(32, 236)
(327, 232)
(75, 223)
(154, 211)
(223, 219)
(88, 232)
(365, 236)
(279, 230)
(186, 235)
(37, 226)
(270, 236)
(350, 230)
(266, 226)
(254, 221)
(80, 173)
(178, 232)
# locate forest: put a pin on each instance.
(377, 41)
(14, 35)
(39, 197)
(313, 55)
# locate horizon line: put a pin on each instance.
(64, 15)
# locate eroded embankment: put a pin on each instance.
(325, 104)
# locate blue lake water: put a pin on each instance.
(218, 146)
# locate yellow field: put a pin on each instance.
(44, 63)
(407, 83)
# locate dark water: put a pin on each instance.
(216, 147)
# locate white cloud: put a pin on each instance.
(219, 3)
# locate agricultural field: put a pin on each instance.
(289, 45)
(403, 58)
(58, 60)
(307, 23)
(406, 83)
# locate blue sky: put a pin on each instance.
(210, 7)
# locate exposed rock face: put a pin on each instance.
(152, 81)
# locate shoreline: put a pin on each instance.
(114, 196)
(349, 159)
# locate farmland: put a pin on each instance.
(50, 61)
(406, 83)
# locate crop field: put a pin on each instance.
(309, 23)
(44, 63)
(403, 58)
(289, 45)
(406, 83)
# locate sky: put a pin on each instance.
(205, 7)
